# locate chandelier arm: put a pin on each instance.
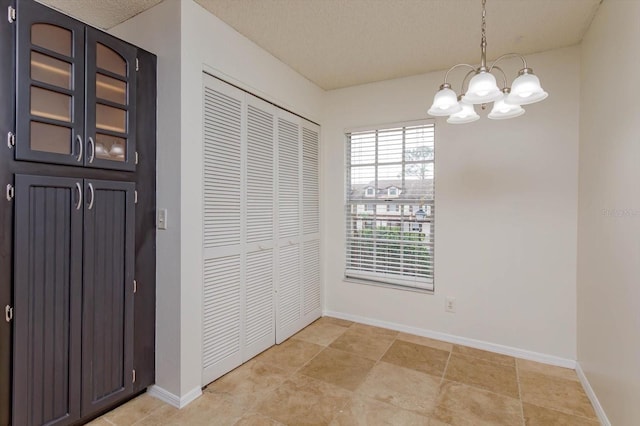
(504, 76)
(456, 66)
(509, 55)
(464, 80)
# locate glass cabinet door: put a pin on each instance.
(50, 86)
(110, 102)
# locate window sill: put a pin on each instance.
(387, 285)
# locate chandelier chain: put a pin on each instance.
(483, 43)
(484, 21)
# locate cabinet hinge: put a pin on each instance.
(137, 158)
(11, 14)
(135, 286)
(135, 196)
(10, 192)
(137, 65)
(8, 313)
(11, 140)
(133, 376)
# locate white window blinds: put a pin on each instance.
(390, 205)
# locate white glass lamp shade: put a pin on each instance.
(445, 102)
(482, 89)
(467, 114)
(526, 89)
(502, 110)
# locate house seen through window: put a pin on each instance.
(391, 241)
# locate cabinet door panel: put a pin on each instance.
(311, 277)
(110, 102)
(260, 211)
(107, 326)
(310, 180)
(288, 177)
(50, 86)
(259, 302)
(48, 289)
(289, 304)
(221, 324)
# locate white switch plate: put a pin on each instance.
(162, 218)
(450, 304)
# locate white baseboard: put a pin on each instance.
(478, 344)
(174, 400)
(602, 416)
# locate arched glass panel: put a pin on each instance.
(109, 60)
(52, 37)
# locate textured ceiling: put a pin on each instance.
(101, 13)
(340, 43)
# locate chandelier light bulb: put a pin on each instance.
(502, 110)
(526, 89)
(445, 102)
(482, 89)
(467, 114)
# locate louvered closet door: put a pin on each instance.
(260, 223)
(289, 313)
(311, 308)
(222, 234)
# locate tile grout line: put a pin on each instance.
(331, 384)
(570, 414)
(152, 412)
(395, 338)
(444, 371)
(353, 393)
(520, 393)
(376, 362)
(437, 396)
(487, 360)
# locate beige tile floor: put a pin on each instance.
(335, 372)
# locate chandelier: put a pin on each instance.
(483, 89)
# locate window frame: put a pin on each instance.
(384, 280)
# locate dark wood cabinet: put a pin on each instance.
(50, 60)
(48, 298)
(74, 284)
(108, 291)
(77, 225)
(110, 102)
(76, 90)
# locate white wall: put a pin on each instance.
(609, 211)
(205, 44)
(157, 30)
(506, 213)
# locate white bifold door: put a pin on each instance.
(261, 273)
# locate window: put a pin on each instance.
(393, 249)
(370, 192)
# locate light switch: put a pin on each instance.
(162, 218)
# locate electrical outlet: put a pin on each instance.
(162, 219)
(450, 304)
